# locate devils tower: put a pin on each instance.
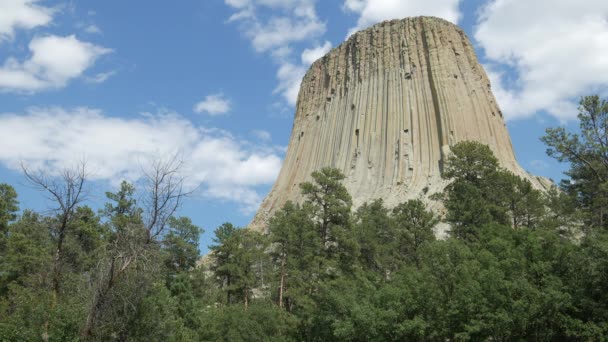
(385, 107)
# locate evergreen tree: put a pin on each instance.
(587, 154)
(239, 262)
(295, 250)
(330, 206)
(414, 228)
(9, 206)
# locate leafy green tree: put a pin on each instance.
(470, 161)
(330, 206)
(261, 322)
(295, 249)
(525, 205)
(181, 244)
(122, 209)
(587, 154)
(9, 206)
(27, 258)
(482, 193)
(240, 262)
(414, 228)
(475, 195)
(376, 235)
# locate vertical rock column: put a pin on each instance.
(385, 107)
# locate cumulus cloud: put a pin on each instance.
(114, 147)
(373, 11)
(309, 56)
(24, 14)
(289, 22)
(54, 61)
(290, 78)
(557, 56)
(215, 104)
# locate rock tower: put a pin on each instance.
(385, 107)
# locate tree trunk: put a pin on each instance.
(56, 276)
(246, 298)
(282, 283)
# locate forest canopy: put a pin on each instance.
(517, 263)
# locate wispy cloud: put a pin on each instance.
(92, 29)
(215, 104)
(273, 27)
(101, 77)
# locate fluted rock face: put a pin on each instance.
(385, 107)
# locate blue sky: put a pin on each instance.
(119, 83)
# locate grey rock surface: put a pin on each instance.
(385, 107)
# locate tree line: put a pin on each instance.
(517, 264)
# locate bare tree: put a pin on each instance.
(163, 194)
(66, 191)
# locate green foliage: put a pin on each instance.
(295, 254)
(9, 206)
(470, 161)
(587, 154)
(262, 321)
(239, 262)
(515, 267)
(482, 193)
(414, 228)
(330, 205)
(181, 244)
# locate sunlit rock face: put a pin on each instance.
(385, 107)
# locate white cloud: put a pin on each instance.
(92, 29)
(101, 77)
(24, 14)
(373, 11)
(290, 74)
(54, 61)
(278, 32)
(262, 134)
(289, 22)
(290, 78)
(309, 56)
(215, 104)
(114, 148)
(557, 56)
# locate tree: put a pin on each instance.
(136, 231)
(239, 262)
(587, 154)
(376, 236)
(181, 245)
(470, 197)
(482, 193)
(414, 228)
(66, 192)
(470, 161)
(295, 247)
(330, 206)
(9, 206)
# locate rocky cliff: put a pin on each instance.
(385, 107)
